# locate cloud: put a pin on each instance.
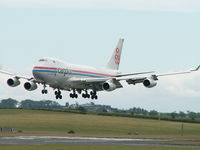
(182, 85)
(138, 5)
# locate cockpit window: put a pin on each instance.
(42, 60)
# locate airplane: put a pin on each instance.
(80, 79)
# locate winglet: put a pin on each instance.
(196, 69)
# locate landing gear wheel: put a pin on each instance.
(44, 91)
(73, 95)
(93, 94)
(58, 94)
(85, 95)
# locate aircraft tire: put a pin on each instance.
(83, 95)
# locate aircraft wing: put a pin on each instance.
(88, 80)
(129, 78)
(133, 74)
(18, 76)
(96, 83)
(176, 73)
(135, 80)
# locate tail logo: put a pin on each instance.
(117, 56)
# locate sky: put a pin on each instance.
(160, 35)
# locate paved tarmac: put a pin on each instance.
(39, 140)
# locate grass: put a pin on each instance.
(39, 122)
(86, 147)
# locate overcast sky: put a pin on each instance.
(160, 35)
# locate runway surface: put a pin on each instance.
(39, 140)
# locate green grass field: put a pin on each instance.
(39, 122)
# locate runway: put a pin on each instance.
(40, 140)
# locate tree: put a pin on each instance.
(39, 104)
(192, 115)
(153, 113)
(182, 114)
(8, 103)
(174, 115)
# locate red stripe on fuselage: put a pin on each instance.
(92, 73)
(49, 68)
(77, 71)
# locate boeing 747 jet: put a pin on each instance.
(85, 80)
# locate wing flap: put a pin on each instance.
(132, 74)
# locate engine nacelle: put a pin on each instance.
(109, 86)
(13, 82)
(30, 86)
(149, 83)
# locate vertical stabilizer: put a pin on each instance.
(114, 61)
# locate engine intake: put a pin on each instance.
(109, 86)
(30, 86)
(13, 82)
(149, 83)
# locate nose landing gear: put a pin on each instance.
(44, 91)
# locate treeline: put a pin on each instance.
(44, 104)
(102, 110)
(153, 114)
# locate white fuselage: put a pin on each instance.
(59, 74)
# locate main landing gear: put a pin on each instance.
(73, 95)
(93, 95)
(85, 95)
(58, 94)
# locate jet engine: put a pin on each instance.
(30, 86)
(13, 82)
(149, 83)
(109, 86)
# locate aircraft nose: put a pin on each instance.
(36, 73)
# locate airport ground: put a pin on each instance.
(49, 123)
